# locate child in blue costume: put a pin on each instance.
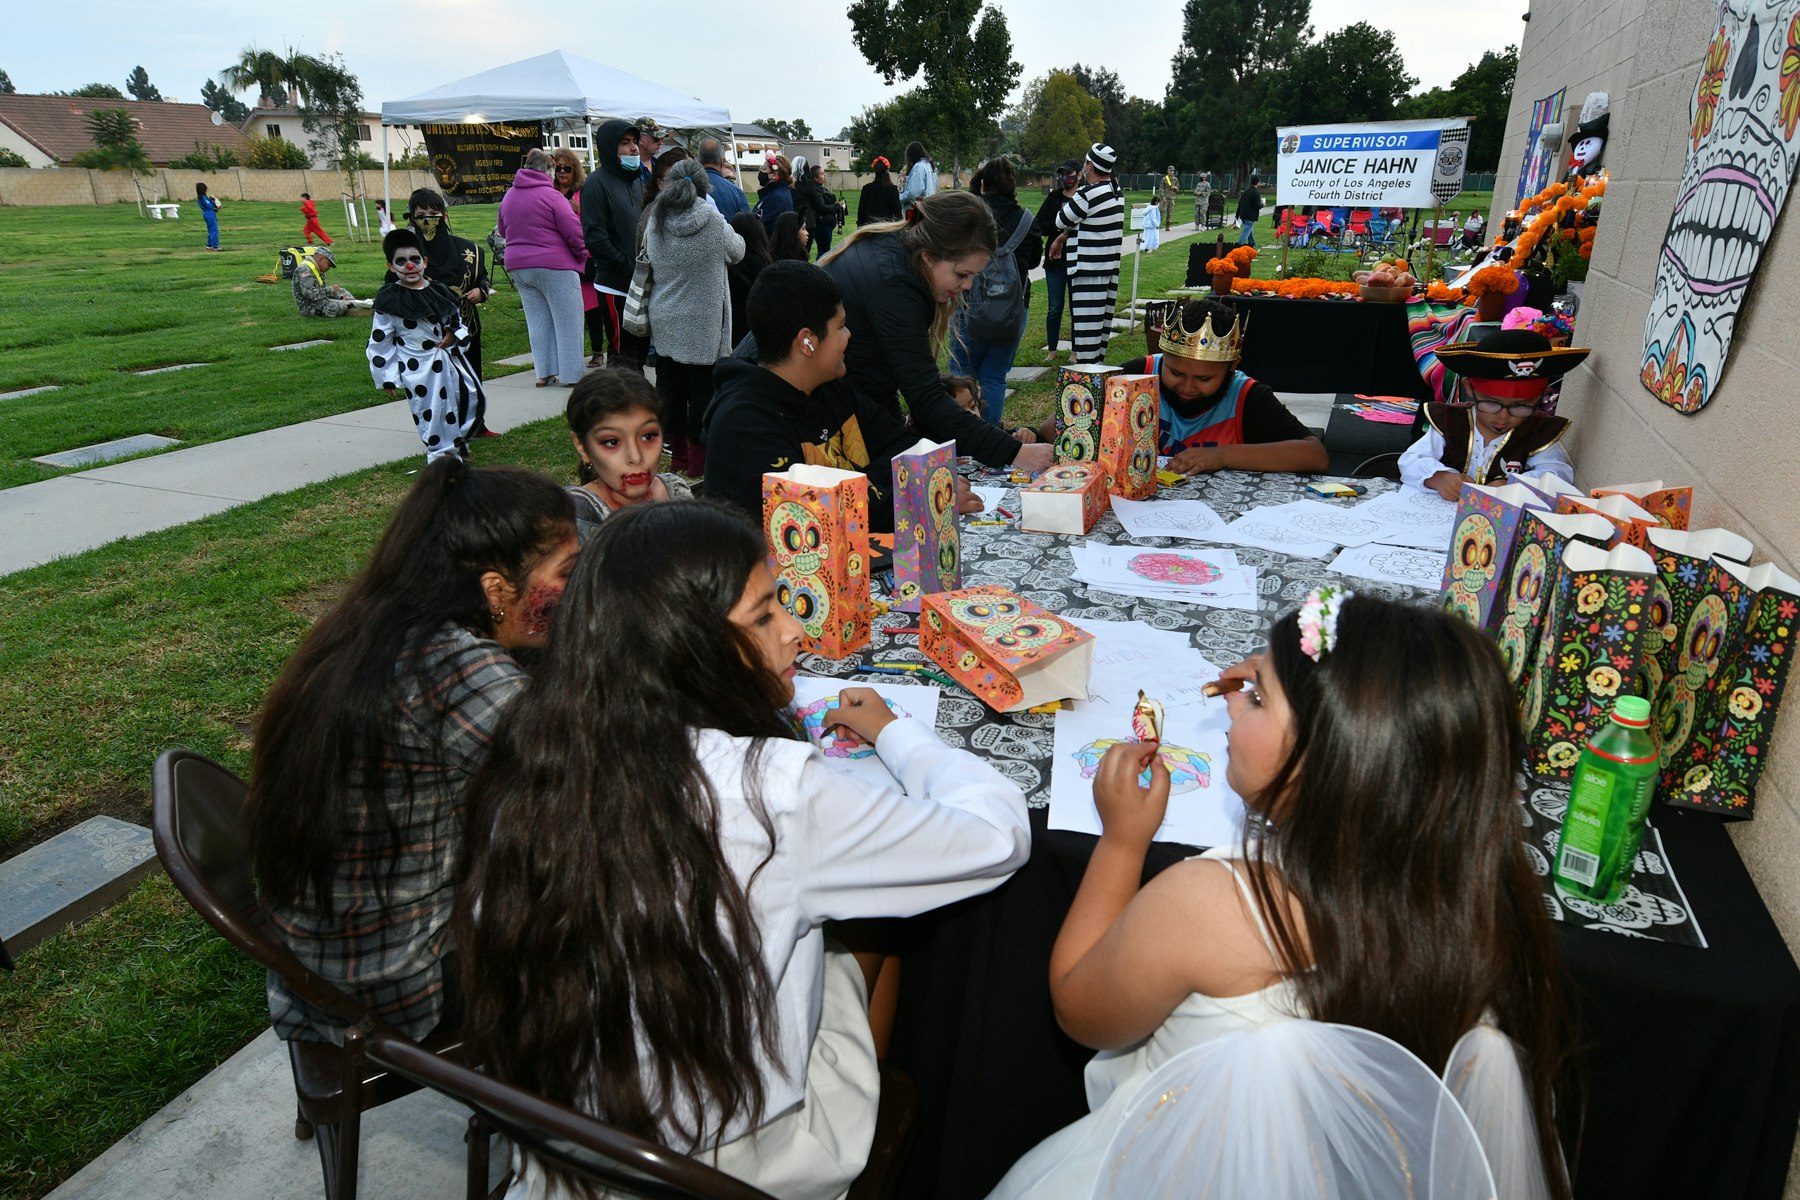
(1215, 417)
(209, 209)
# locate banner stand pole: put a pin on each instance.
(1286, 240)
(1431, 246)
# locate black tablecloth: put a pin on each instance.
(1330, 346)
(1692, 1055)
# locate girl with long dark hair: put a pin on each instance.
(1388, 888)
(615, 421)
(921, 176)
(880, 199)
(788, 238)
(660, 853)
(366, 739)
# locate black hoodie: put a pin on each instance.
(610, 200)
(759, 422)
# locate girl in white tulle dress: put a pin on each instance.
(1388, 887)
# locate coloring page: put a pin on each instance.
(1168, 518)
(1270, 528)
(814, 698)
(1414, 517)
(1203, 810)
(1130, 656)
(1392, 564)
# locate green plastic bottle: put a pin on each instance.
(1614, 783)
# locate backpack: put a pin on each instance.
(290, 259)
(996, 302)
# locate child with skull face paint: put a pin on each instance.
(615, 421)
(416, 343)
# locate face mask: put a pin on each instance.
(428, 225)
(630, 162)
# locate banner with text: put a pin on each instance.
(1380, 164)
(478, 162)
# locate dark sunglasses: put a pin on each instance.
(563, 168)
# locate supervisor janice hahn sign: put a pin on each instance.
(1383, 164)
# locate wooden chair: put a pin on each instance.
(573, 1141)
(202, 835)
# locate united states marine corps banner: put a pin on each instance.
(1380, 164)
(478, 162)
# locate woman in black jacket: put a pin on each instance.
(987, 360)
(901, 281)
(880, 198)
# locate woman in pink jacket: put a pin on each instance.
(544, 254)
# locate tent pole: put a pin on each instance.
(387, 187)
(590, 140)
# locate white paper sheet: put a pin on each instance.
(1414, 517)
(1211, 576)
(1129, 655)
(1269, 529)
(1340, 523)
(995, 497)
(1168, 518)
(1203, 810)
(814, 697)
(1392, 564)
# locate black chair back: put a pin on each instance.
(573, 1141)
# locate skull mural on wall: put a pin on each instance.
(1740, 163)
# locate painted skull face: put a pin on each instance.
(1079, 439)
(1526, 602)
(798, 541)
(1472, 551)
(1699, 655)
(1001, 623)
(1063, 479)
(1740, 163)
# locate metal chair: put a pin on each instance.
(1380, 466)
(202, 835)
(573, 1141)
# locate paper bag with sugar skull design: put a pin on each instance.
(1006, 650)
(1066, 498)
(1128, 432)
(1589, 654)
(1481, 550)
(1530, 581)
(816, 520)
(1081, 401)
(1671, 506)
(927, 545)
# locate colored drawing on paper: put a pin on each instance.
(1189, 770)
(829, 741)
(1173, 568)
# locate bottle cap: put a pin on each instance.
(1631, 710)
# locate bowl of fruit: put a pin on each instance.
(1390, 281)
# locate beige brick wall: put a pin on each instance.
(20, 186)
(1740, 452)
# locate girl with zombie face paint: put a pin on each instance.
(615, 421)
(367, 738)
(665, 960)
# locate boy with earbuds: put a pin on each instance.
(782, 399)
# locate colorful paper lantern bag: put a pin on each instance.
(927, 544)
(1589, 654)
(1548, 486)
(816, 520)
(1481, 550)
(1008, 651)
(1531, 581)
(1632, 521)
(1686, 562)
(1672, 506)
(1080, 403)
(1068, 498)
(1128, 432)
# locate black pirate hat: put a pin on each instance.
(1518, 359)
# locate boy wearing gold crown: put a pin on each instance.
(1215, 417)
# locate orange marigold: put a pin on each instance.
(1497, 278)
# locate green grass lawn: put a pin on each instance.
(89, 294)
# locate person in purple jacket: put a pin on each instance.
(544, 257)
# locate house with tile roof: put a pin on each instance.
(285, 122)
(49, 131)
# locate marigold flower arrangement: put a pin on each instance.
(1439, 292)
(1498, 278)
(1299, 288)
(1236, 263)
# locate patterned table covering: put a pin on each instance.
(1038, 567)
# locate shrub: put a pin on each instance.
(276, 154)
(210, 157)
(12, 158)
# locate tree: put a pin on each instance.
(223, 102)
(276, 154)
(95, 91)
(885, 129)
(788, 131)
(116, 146)
(1064, 122)
(1353, 74)
(963, 50)
(278, 79)
(12, 158)
(6, 84)
(1483, 92)
(139, 85)
(1230, 52)
(332, 114)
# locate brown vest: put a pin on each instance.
(1534, 434)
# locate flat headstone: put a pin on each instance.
(301, 345)
(48, 387)
(1121, 323)
(517, 360)
(85, 456)
(1026, 374)
(166, 370)
(69, 878)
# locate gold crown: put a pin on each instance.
(1205, 344)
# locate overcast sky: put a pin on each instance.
(759, 60)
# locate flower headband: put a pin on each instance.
(1318, 619)
(881, 161)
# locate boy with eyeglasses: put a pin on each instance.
(1506, 373)
(416, 347)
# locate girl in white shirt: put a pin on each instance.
(657, 853)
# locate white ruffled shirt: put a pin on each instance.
(1425, 458)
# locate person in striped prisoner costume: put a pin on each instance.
(1093, 225)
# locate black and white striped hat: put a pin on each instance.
(1102, 156)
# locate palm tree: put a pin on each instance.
(276, 77)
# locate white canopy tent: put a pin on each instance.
(558, 86)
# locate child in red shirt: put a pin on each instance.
(311, 213)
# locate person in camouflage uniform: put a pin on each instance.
(316, 298)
